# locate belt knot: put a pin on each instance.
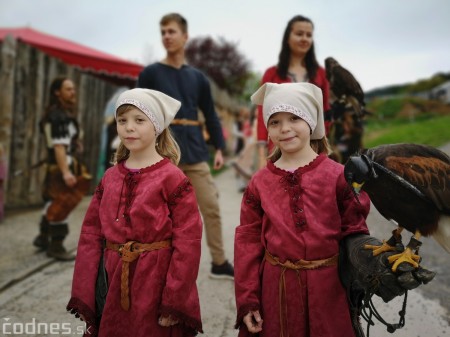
(129, 252)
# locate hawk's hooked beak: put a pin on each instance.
(357, 187)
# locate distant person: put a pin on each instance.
(244, 161)
(144, 218)
(242, 129)
(237, 133)
(191, 87)
(296, 63)
(66, 181)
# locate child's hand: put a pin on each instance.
(253, 321)
(167, 321)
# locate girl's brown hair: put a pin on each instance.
(318, 145)
(166, 145)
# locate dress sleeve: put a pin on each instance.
(353, 210)
(89, 251)
(325, 86)
(322, 82)
(180, 295)
(248, 255)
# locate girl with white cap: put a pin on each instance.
(294, 213)
(144, 219)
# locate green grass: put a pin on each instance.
(429, 130)
(389, 107)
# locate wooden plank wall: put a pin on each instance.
(25, 77)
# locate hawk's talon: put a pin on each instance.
(377, 250)
(407, 256)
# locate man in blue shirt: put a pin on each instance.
(187, 84)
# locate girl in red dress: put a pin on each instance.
(144, 219)
(294, 213)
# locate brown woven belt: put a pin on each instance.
(184, 121)
(300, 264)
(129, 252)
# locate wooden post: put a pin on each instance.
(8, 58)
(37, 147)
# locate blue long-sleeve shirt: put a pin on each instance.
(191, 87)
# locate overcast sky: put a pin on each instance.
(381, 42)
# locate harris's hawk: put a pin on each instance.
(344, 85)
(410, 184)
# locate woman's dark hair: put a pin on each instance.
(53, 100)
(285, 53)
(56, 85)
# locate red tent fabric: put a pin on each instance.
(76, 54)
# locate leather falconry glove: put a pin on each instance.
(359, 270)
(363, 275)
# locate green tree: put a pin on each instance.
(252, 84)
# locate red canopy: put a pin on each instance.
(75, 54)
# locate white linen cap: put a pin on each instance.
(158, 107)
(301, 99)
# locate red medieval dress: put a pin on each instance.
(293, 216)
(153, 204)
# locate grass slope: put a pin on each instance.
(430, 130)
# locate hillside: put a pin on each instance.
(409, 88)
(406, 108)
(405, 120)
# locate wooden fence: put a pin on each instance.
(25, 77)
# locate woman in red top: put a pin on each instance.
(296, 63)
